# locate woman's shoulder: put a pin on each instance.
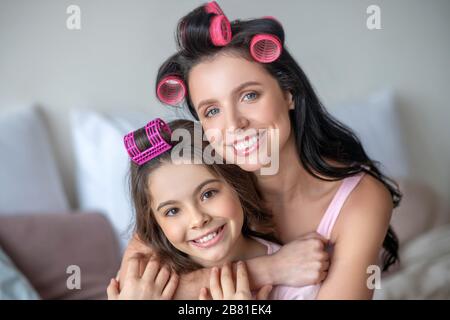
(369, 205)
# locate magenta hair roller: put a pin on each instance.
(157, 144)
(171, 90)
(265, 48)
(220, 31)
(213, 7)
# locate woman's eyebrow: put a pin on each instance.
(235, 90)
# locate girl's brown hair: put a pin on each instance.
(257, 219)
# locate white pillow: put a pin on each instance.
(376, 122)
(102, 164)
(29, 178)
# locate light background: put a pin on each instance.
(111, 63)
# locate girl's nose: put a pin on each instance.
(199, 219)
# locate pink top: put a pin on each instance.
(325, 227)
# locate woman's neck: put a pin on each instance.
(290, 179)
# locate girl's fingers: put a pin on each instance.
(214, 284)
(226, 279)
(162, 278)
(171, 287)
(242, 282)
(113, 290)
(263, 293)
(204, 294)
(151, 270)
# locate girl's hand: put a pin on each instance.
(156, 282)
(222, 286)
(301, 262)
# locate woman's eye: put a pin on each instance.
(211, 112)
(171, 212)
(208, 194)
(250, 96)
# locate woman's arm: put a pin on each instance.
(359, 233)
(299, 263)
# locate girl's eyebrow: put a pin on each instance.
(197, 189)
(204, 183)
(235, 90)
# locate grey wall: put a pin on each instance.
(112, 61)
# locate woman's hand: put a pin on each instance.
(222, 286)
(301, 262)
(156, 282)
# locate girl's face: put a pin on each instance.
(244, 106)
(199, 213)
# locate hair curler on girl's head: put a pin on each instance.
(157, 143)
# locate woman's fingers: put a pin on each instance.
(133, 267)
(227, 282)
(214, 284)
(242, 282)
(162, 278)
(263, 293)
(171, 287)
(151, 270)
(113, 290)
(204, 294)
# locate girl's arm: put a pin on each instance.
(359, 233)
(299, 263)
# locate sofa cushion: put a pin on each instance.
(44, 246)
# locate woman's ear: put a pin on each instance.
(290, 100)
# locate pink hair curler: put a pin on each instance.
(220, 31)
(171, 90)
(213, 7)
(265, 48)
(158, 144)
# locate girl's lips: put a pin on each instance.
(213, 241)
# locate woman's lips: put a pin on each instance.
(246, 146)
(209, 243)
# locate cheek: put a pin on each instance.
(232, 209)
(174, 231)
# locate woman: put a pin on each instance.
(325, 182)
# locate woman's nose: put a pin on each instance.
(235, 121)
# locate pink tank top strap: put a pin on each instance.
(329, 218)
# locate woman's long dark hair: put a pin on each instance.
(321, 140)
(258, 220)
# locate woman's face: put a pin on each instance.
(242, 109)
(199, 213)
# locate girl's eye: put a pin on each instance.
(211, 112)
(171, 212)
(208, 194)
(250, 96)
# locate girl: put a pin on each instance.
(240, 78)
(194, 216)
